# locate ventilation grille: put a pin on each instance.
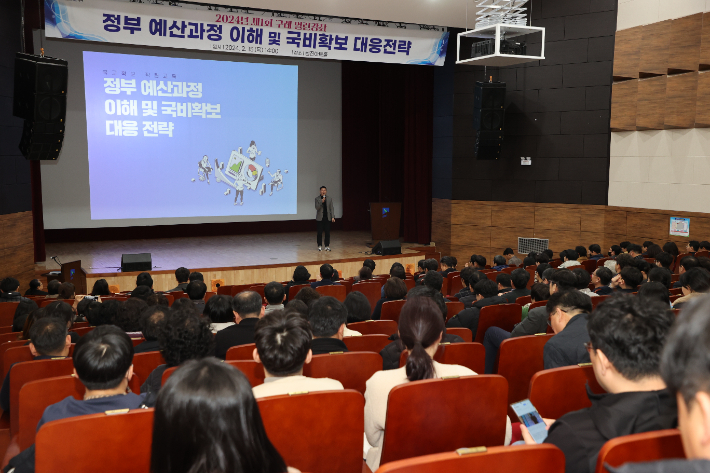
(526, 245)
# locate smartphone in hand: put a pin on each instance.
(531, 419)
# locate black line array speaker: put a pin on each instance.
(489, 118)
(136, 262)
(40, 97)
(387, 247)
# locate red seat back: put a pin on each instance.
(598, 300)
(544, 458)
(241, 352)
(504, 316)
(557, 391)
(373, 343)
(643, 447)
(293, 290)
(6, 346)
(589, 265)
(252, 370)
(519, 358)
(492, 275)
(333, 421)
(7, 329)
(82, 330)
(455, 284)
(371, 290)
(145, 363)
(462, 332)
(374, 327)
(224, 291)
(410, 283)
(208, 295)
(7, 312)
(453, 308)
(10, 337)
(352, 369)
(468, 354)
(523, 300)
(391, 309)
(258, 288)
(337, 291)
(122, 441)
(418, 426)
(16, 354)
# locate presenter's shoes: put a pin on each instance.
(327, 248)
(320, 248)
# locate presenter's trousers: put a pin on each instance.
(323, 226)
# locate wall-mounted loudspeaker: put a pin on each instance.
(489, 118)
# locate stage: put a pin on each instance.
(240, 259)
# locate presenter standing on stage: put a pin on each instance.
(324, 216)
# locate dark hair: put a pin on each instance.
(689, 262)
(308, 295)
(369, 264)
(144, 279)
(326, 271)
(102, 357)
(520, 278)
(152, 321)
(301, 274)
(53, 287)
(431, 264)
(625, 260)
(395, 288)
(397, 271)
(283, 341)
(616, 249)
(594, 248)
(540, 292)
(666, 259)
(655, 291)
(644, 266)
(469, 276)
(100, 288)
(274, 293)
(660, 275)
(568, 301)
(358, 307)
(219, 309)
(705, 245)
(486, 288)
(480, 260)
(420, 326)
(547, 274)
(92, 312)
(499, 260)
(570, 254)
(104, 313)
(23, 310)
(247, 303)
(550, 254)
(67, 291)
(528, 261)
(49, 336)
(564, 279)
(33, 316)
(129, 315)
(671, 248)
(647, 243)
(421, 265)
(504, 279)
(435, 296)
(652, 250)
(448, 261)
(182, 274)
(9, 284)
(694, 244)
(508, 251)
(35, 283)
(365, 273)
(185, 336)
(82, 306)
(196, 290)
(157, 299)
(631, 332)
(541, 269)
(697, 279)
(434, 280)
(196, 276)
(542, 258)
(625, 245)
(141, 292)
(635, 248)
(60, 310)
(632, 277)
(604, 274)
(323, 187)
(186, 435)
(583, 278)
(326, 315)
(297, 306)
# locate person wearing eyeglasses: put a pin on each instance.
(567, 315)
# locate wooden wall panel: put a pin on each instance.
(702, 105)
(684, 49)
(656, 39)
(627, 53)
(470, 213)
(592, 221)
(519, 216)
(624, 96)
(681, 97)
(441, 223)
(17, 248)
(651, 105)
(655, 226)
(705, 43)
(471, 235)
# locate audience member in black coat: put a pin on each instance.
(301, 276)
(35, 288)
(601, 278)
(23, 310)
(327, 317)
(358, 307)
(247, 311)
(519, 278)
(8, 290)
(567, 315)
(182, 275)
(486, 294)
(395, 290)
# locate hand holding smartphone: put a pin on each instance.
(531, 419)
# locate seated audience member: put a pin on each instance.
(550, 254)
(23, 310)
(662, 275)
(645, 246)
(142, 293)
(219, 310)
(704, 262)
(503, 280)
(247, 309)
(91, 311)
(542, 258)
(67, 292)
(583, 281)
(582, 252)
(695, 283)
(508, 253)
(128, 317)
(624, 261)
(358, 306)
(447, 265)
(196, 276)
(182, 275)
(601, 278)
(469, 283)
(569, 259)
(567, 312)
(538, 292)
(692, 247)
(486, 295)
(635, 251)
(186, 435)
(540, 270)
(514, 262)
(705, 245)
(34, 316)
(297, 307)
(433, 280)
(8, 290)
(103, 363)
(52, 289)
(643, 266)
(655, 291)
(561, 280)
(628, 280)
(283, 346)
(595, 252)
(183, 336)
(653, 250)
(397, 271)
(465, 283)
(637, 399)
(664, 260)
(103, 314)
(614, 252)
(196, 291)
(64, 312)
(152, 321)
(671, 248)
(35, 288)
(547, 274)
(477, 262)
(686, 264)
(184, 304)
(308, 295)
(369, 263)
(364, 274)
(144, 279)
(429, 265)
(49, 340)
(625, 246)
(326, 271)
(81, 307)
(528, 261)
(157, 299)
(300, 277)
(519, 278)
(499, 262)
(421, 330)
(421, 268)
(275, 296)
(395, 290)
(327, 318)
(101, 288)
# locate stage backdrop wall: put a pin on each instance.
(65, 183)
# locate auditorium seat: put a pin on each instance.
(80, 324)
(544, 458)
(122, 441)
(504, 316)
(676, 312)
(455, 284)
(258, 288)
(7, 312)
(453, 308)
(145, 363)
(4, 330)
(557, 391)
(9, 337)
(598, 300)
(492, 275)
(643, 447)
(523, 300)
(82, 330)
(352, 369)
(519, 358)
(674, 298)
(348, 283)
(16, 354)
(589, 265)
(241, 352)
(462, 332)
(391, 309)
(178, 295)
(137, 341)
(601, 261)
(170, 299)
(444, 287)
(373, 327)
(251, 369)
(318, 432)
(371, 290)
(6, 346)
(293, 290)
(675, 291)
(208, 295)
(225, 290)
(410, 283)
(373, 343)
(535, 305)
(339, 291)
(509, 269)
(428, 416)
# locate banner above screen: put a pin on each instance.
(261, 33)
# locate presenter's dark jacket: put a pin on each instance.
(581, 434)
(239, 334)
(468, 318)
(323, 346)
(567, 347)
(319, 208)
(392, 352)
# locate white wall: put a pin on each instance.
(643, 12)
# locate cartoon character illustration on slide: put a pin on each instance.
(204, 169)
(239, 185)
(277, 181)
(252, 151)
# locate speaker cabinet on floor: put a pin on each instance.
(136, 262)
(387, 247)
(489, 118)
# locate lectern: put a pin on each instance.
(71, 272)
(385, 219)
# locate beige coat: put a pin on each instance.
(377, 390)
(292, 384)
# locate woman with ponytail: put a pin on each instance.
(420, 329)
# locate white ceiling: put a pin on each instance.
(450, 13)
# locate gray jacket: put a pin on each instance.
(319, 208)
